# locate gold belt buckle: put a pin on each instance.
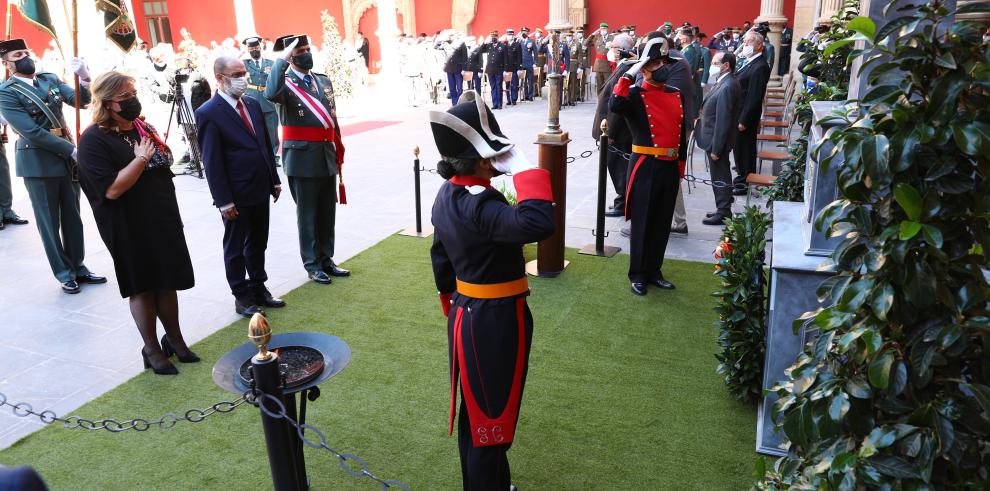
(57, 131)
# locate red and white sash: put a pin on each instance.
(315, 106)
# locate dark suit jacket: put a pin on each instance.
(20, 479)
(682, 78)
(753, 80)
(240, 168)
(514, 58)
(365, 50)
(716, 131)
(457, 61)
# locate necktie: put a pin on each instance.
(308, 79)
(244, 116)
(742, 65)
(36, 84)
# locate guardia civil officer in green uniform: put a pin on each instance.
(312, 151)
(46, 157)
(258, 69)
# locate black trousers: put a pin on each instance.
(245, 240)
(617, 171)
(489, 343)
(651, 200)
(720, 172)
(745, 155)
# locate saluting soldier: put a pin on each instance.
(258, 69)
(479, 270)
(513, 63)
(46, 157)
(582, 63)
(312, 151)
(495, 67)
(602, 66)
(528, 63)
(654, 112)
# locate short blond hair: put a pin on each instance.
(105, 88)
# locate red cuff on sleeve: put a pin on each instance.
(445, 303)
(622, 86)
(681, 164)
(533, 184)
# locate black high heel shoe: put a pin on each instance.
(169, 351)
(169, 370)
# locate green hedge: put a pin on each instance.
(741, 308)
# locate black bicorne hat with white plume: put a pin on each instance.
(468, 130)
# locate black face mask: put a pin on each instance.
(130, 109)
(255, 54)
(661, 74)
(303, 61)
(24, 65)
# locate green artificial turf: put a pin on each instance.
(622, 392)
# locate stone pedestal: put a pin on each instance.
(794, 277)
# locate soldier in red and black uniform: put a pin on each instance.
(654, 112)
(480, 275)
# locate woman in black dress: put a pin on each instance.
(124, 169)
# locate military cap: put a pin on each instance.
(603, 24)
(251, 41)
(632, 27)
(494, 33)
(283, 42)
(510, 31)
(624, 29)
(12, 45)
(539, 30)
(468, 130)
(665, 24)
(524, 29)
(578, 29)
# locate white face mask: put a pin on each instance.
(735, 37)
(236, 86)
(714, 71)
(747, 51)
(603, 31)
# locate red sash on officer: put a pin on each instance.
(329, 132)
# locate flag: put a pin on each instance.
(118, 24)
(36, 13)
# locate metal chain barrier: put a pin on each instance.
(24, 410)
(353, 465)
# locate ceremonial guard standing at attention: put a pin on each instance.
(480, 274)
(312, 152)
(655, 114)
(258, 69)
(46, 157)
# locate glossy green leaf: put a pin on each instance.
(982, 394)
(883, 300)
(909, 229)
(858, 388)
(864, 26)
(933, 235)
(839, 406)
(880, 370)
(896, 467)
(909, 199)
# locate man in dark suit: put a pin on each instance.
(240, 170)
(715, 133)
(753, 78)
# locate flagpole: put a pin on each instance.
(75, 53)
(7, 27)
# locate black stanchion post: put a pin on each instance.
(279, 436)
(418, 231)
(599, 248)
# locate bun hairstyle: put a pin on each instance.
(449, 167)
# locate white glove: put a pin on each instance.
(287, 53)
(75, 154)
(79, 68)
(635, 69)
(512, 162)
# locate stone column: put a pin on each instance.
(559, 18)
(388, 34)
(244, 15)
(772, 11)
(829, 9)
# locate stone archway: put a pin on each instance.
(354, 9)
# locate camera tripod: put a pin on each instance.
(188, 125)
